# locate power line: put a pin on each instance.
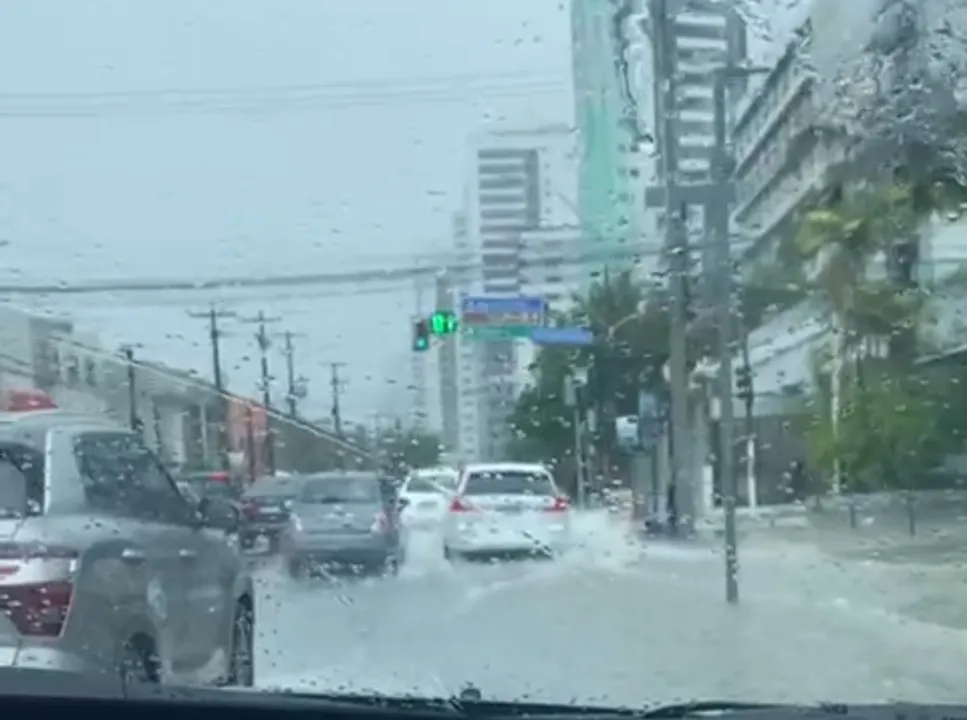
(404, 273)
(382, 84)
(246, 103)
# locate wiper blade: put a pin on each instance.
(677, 711)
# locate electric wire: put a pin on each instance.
(281, 99)
(352, 277)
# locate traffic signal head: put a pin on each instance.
(421, 335)
(443, 322)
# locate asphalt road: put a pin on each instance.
(613, 622)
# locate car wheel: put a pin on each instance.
(241, 661)
(448, 554)
(392, 566)
(139, 662)
(296, 568)
(247, 542)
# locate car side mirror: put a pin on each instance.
(402, 503)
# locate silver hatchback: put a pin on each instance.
(343, 520)
(106, 567)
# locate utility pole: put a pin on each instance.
(682, 509)
(133, 419)
(295, 386)
(572, 399)
(336, 385)
(265, 382)
(722, 278)
(213, 315)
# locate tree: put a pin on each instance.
(889, 431)
(631, 337)
(405, 449)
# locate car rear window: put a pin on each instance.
(425, 485)
(509, 482)
(210, 489)
(328, 491)
(21, 481)
(272, 491)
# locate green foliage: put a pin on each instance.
(889, 432)
(404, 449)
(632, 332)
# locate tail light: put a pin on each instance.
(36, 587)
(458, 505)
(250, 509)
(381, 524)
(560, 504)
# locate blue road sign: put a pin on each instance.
(502, 305)
(562, 336)
(491, 318)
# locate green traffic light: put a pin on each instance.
(443, 322)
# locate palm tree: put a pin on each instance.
(841, 240)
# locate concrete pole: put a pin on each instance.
(723, 295)
(676, 214)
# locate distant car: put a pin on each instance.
(216, 487)
(106, 566)
(506, 508)
(425, 495)
(343, 519)
(265, 510)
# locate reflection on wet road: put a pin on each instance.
(613, 622)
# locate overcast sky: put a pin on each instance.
(326, 135)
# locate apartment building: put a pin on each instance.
(781, 153)
(447, 352)
(609, 192)
(521, 180)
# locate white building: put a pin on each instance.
(520, 180)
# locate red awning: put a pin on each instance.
(26, 400)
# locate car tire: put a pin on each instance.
(448, 554)
(391, 568)
(295, 567)
(241, 659)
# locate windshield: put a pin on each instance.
(434, 485)
(21, 481)
(338, 490)
(507, 482)
(214, 489)
(676, 290)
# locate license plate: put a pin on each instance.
(510, 508)
(426, 504)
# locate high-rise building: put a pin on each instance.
(521, 180)
(607, 187)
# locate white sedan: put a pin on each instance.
(425, 496)
(506, 507)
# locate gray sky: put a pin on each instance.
(321, 179)
(327, 183)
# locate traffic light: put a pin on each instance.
(443, 323)
(421, 335)
(743, 383)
